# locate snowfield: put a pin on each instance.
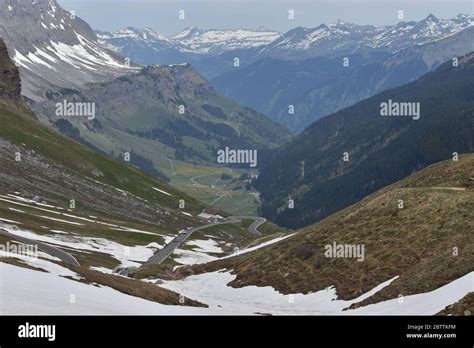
(212, 289)
(28, 292)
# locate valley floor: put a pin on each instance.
(205, 183)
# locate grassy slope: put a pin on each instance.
(415, 243)
(22, 129)
(78, 163)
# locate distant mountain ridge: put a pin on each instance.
(219, 41)
(192, 39)
(191, 45)
(213, 51)
(346, 38)
(321, 85)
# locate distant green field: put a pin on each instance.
(204, 183)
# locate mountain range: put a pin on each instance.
(190, 40)
(343, 38)
(305, 68)
(213, 51)
(319, 86)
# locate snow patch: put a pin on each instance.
(164, 192)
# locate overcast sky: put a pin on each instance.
(162, 15)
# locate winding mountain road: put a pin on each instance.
(164, 253)
(48, 249)
(256, 224)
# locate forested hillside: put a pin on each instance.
(379, 150)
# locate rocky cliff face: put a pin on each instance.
(10, 86)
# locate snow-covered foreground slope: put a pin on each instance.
(24, 291)
(211, 288)
(201, 251)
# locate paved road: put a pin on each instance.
(256, 224)
(48, 249)
(164, 253)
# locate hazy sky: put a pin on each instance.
(162, 15)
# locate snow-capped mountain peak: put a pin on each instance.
(53, 48)
(202, 41)
(200, 47)
(343, 37)
(187, 33)
(191, 40)
(145, 34)
(324, 36)
(431, 18)
(232, 39)
(406, 34)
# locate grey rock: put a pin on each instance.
(54, 49)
